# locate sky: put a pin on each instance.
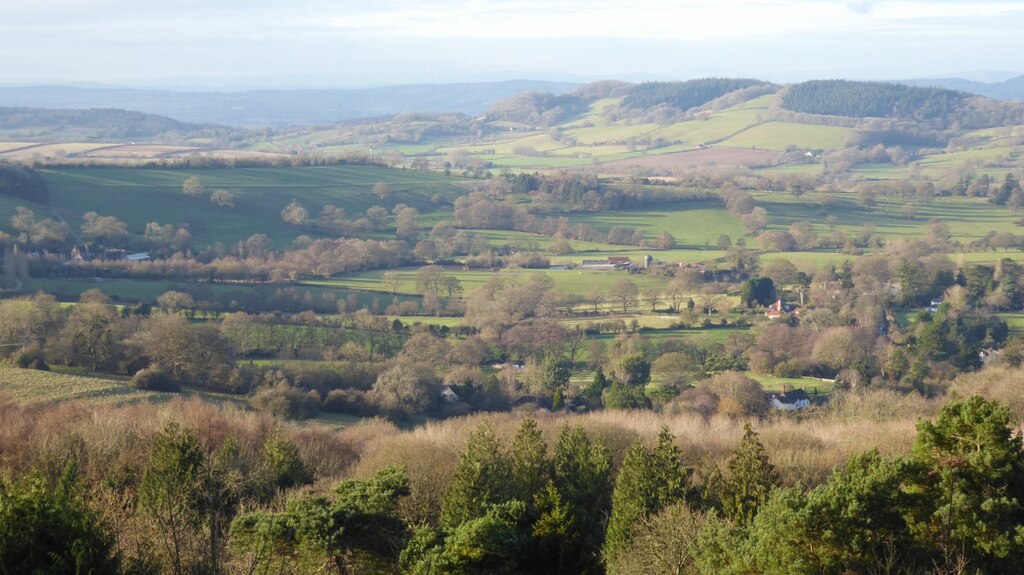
(334, 43)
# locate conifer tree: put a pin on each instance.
(648, 482)
(749, 480)
(481, 480)
(583, 478)
(530, 466)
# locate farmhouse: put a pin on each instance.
(791, 400)
(777, 310)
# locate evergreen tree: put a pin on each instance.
(171, 493)
(530, 466)
(46, 528)
(481, 480)
(583, 479)
(749, 479)
(648, 482)
(974, 479)
(357, 527)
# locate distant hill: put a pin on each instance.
(103, 125)
(537, 108)
(929, 107)
(282, 107)
(1011, 89)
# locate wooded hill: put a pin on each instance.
(105, 124)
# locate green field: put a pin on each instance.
(968, 219)
(774, 384)
(140, 196)
(579, 282)
(781, 135)
(693, 224)
(32, 386)
(137, 291)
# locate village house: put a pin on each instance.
(778, 310)
(791, 400)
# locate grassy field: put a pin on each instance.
(968, 219)
(139, 196)
(693, 224)
(137, 291)
(579, 282)
(781, 135)
(32, 386)
(774, 384)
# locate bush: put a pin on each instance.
(287, 401)
(350, 401)
(31, 357)
(154, 379)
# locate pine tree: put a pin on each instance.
(583, 478)
(749, 479)
(530, 466)
(481, 480)
(648, 482)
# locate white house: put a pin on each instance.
(791, 400)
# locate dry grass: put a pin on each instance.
(112, 441)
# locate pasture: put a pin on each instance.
(140, 196)
(32, 386)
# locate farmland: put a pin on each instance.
(140, 196)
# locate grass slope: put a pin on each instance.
(139, 196)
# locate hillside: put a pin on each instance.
(258, 108)
(1009, 89)
(104, 125)
(658, 128)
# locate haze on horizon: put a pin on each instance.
(320, 43)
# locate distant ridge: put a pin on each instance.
(282, 107)
(1011, 89)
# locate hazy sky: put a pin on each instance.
(346, 43)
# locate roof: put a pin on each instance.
(793, 396)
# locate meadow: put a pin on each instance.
(139, 196)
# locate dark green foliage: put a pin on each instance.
(974, 484)
(583, 479)
(748, 481)
(759, 291)
(283, 462)
(648, 482)
(621, 396)
(530, 467)
(635, 370)
(171, 492)
(22, 182)
(1003, 193)
(488, 544)
(47, 529)
(683, 95)
(871, 100)
(481, 480)
(954, 505)
(357, 526)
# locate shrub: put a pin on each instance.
(30, 357)
(350, 401)
(154, 379)
(287, 401)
